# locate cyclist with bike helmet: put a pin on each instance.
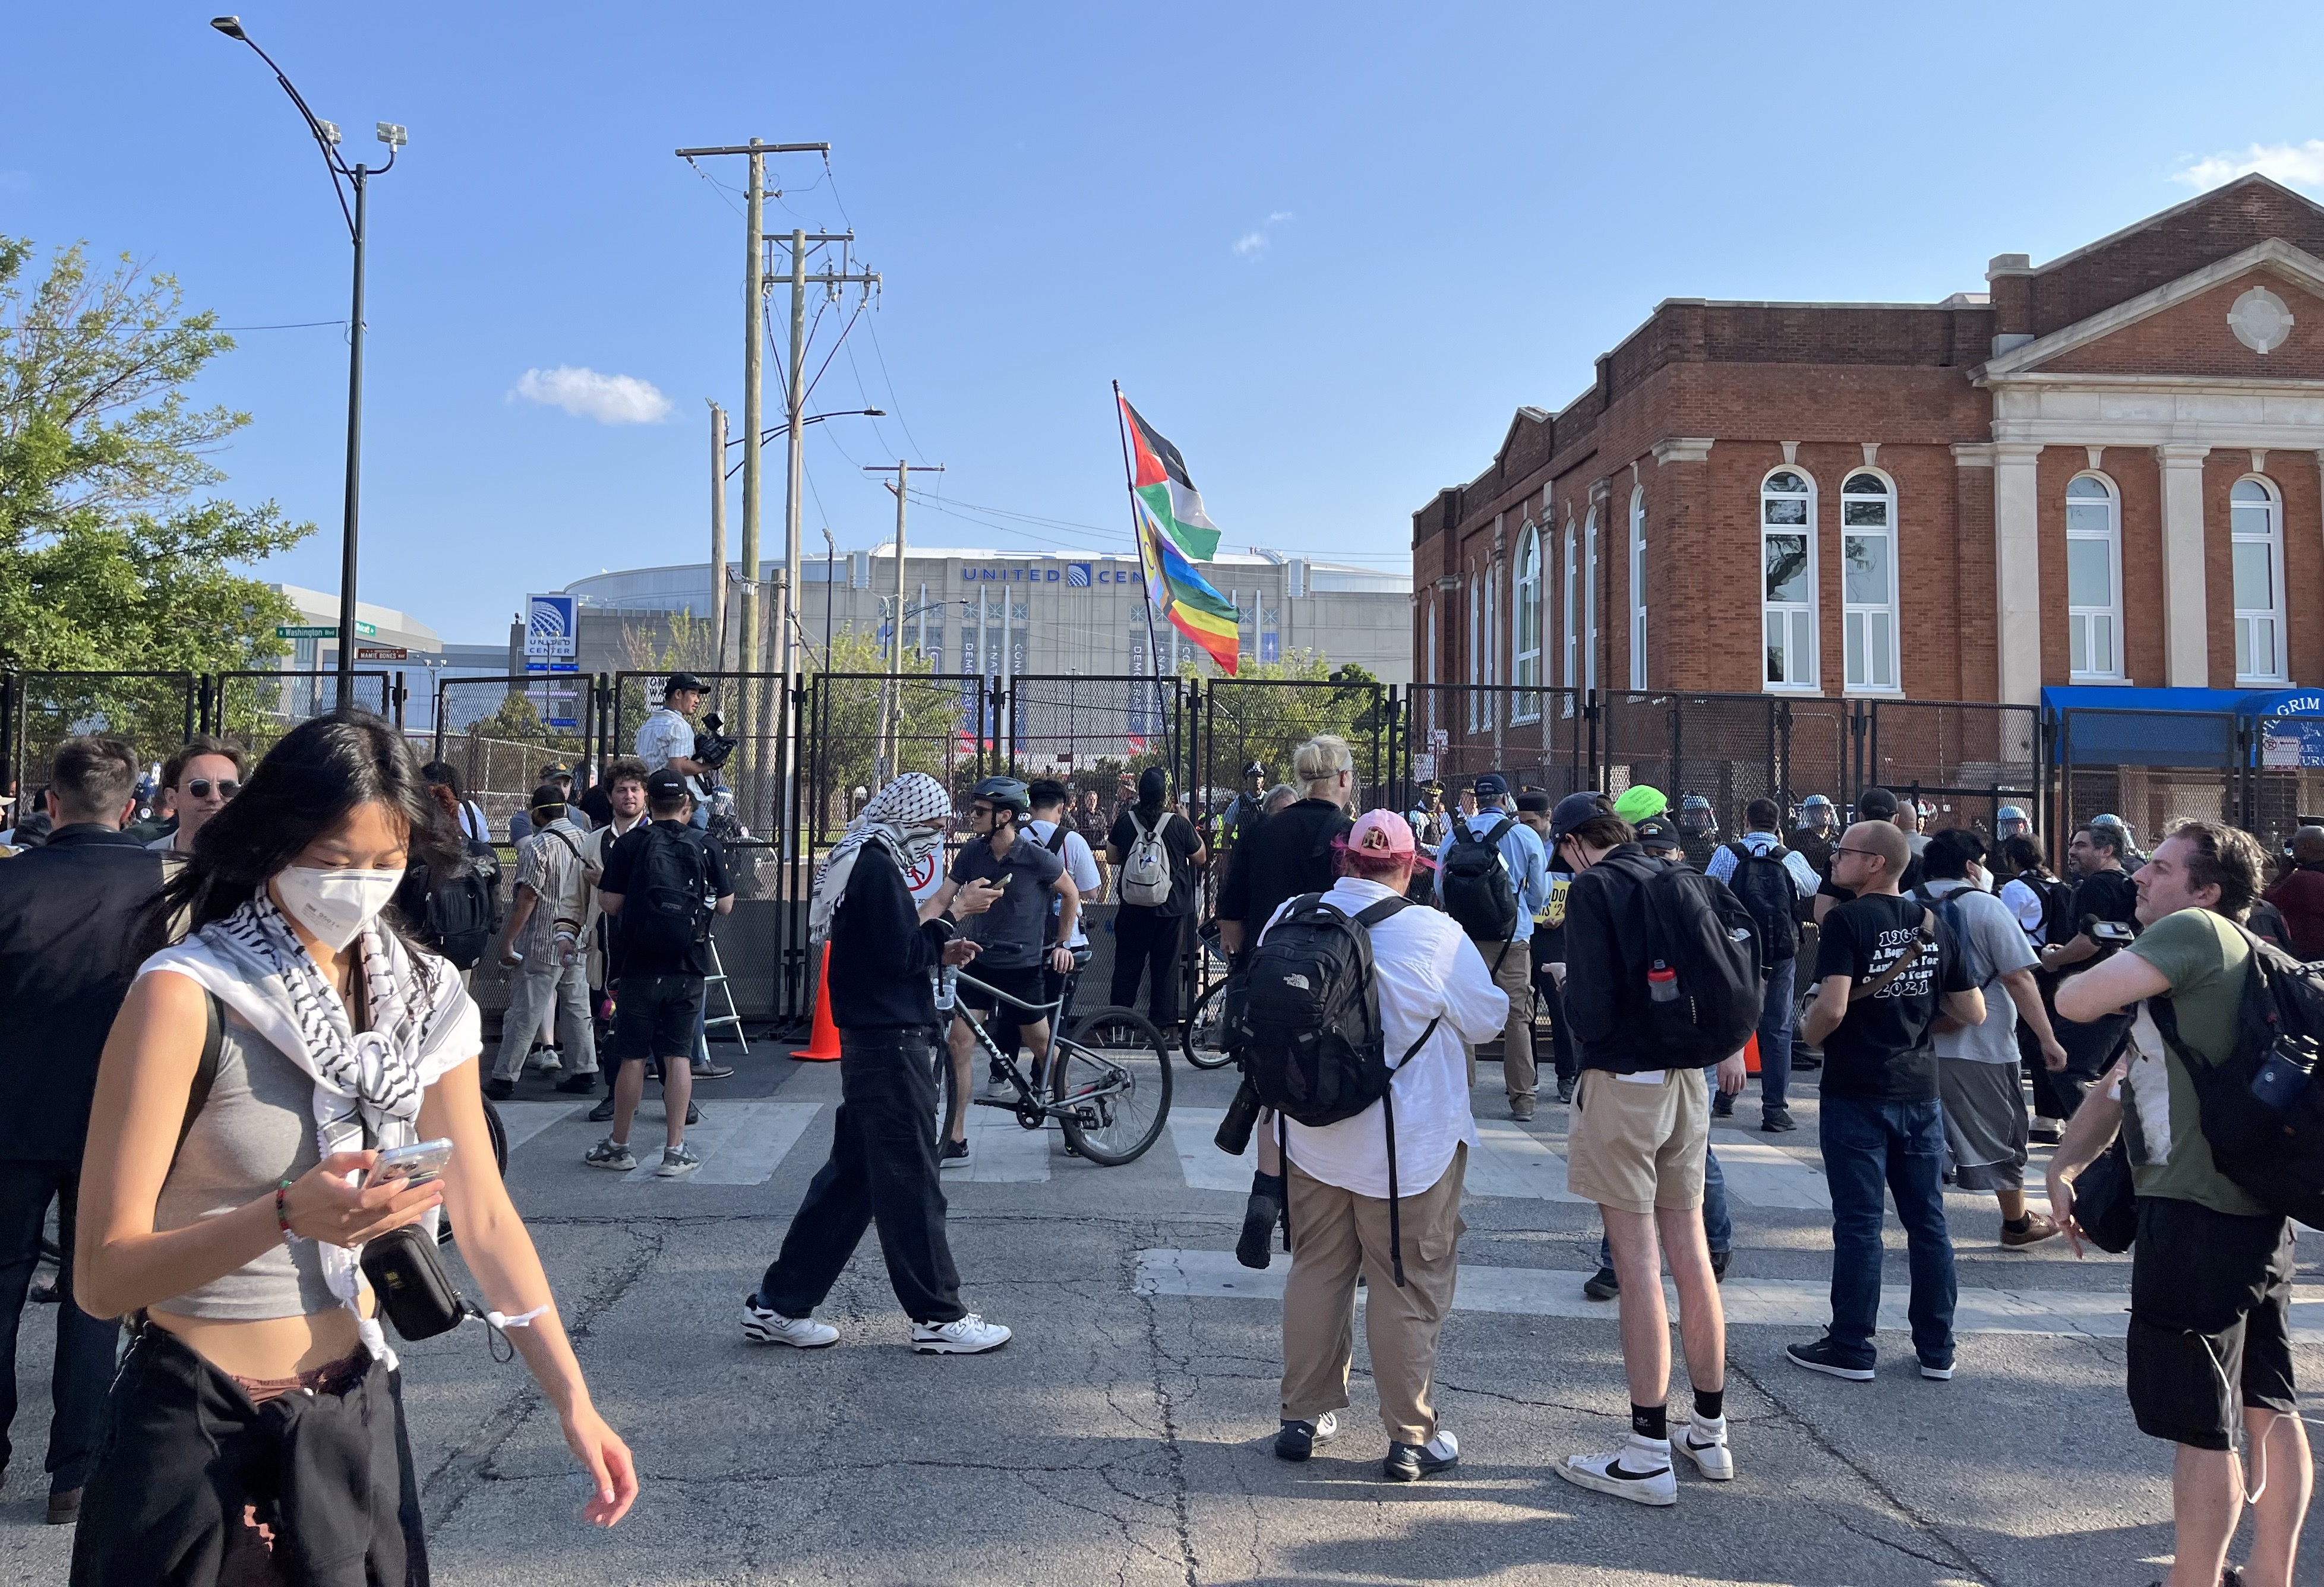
(1012, 936)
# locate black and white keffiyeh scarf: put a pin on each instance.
(906, 818)
(368, 1083)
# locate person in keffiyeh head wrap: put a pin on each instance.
(882, 954)
(258, 1069)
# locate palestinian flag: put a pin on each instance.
(1183, 595)
(1160, 480)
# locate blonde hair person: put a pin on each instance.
(1326, 769)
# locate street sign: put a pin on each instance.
(551, 626)
(324, 630)
(382, 653)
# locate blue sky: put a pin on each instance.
(1327, 250)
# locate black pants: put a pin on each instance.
(1146, 942)
(1561, 1035)
(185, 1451)
(85, 1344)
(2210, 1321)
(882, 1170)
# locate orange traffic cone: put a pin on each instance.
(823, 1042)
(1750, 1053)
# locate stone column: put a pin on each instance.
(2017, 572)
(2185, 637)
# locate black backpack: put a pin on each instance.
(1474, 882)
(668, 908)
(463, 912)
(1765, 888)
(1309, 1028)
(1703, 987)
(2263, 1113)
(2057, 898)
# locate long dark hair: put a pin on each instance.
(314, 775)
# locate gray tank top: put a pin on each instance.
(256, 1129)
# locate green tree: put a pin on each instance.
(114, 552)
(1274, 706)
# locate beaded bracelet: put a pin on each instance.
(282, 1212)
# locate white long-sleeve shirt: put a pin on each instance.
(1426, 967)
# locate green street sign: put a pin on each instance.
(324, 630)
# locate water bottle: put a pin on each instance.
(1661, 983)
(947, 980)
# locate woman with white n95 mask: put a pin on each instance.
(255, 1429)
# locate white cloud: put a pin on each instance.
(609, 399)
(2300, 165)
(1278, 214)
(1251, 244)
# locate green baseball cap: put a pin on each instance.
(1638, 802)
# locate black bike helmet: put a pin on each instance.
(1005, 791)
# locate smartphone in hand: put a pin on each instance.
(418, 1164)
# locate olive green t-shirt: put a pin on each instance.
(2206, 958)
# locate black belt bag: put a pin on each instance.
(414, 1288)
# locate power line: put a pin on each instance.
(295, 325)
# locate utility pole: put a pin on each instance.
(890, 705)
(718, 532)
(802, 242)
(753, 340)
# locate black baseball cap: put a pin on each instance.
(1533, 802)
(663, 784)
(1572, 810)
(555, 768)
(678, 680)
(1488, 787)
(1656, 832)
(1876, 804)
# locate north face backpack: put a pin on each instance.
(1763, 886)
(1948, 910)
(2057, 907)
(2261, 1109)
(1146, 868)
(463, 912)
(1703, 987)
(667, 909)
(1310, 1032)
(1474, 882)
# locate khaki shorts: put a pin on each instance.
(1638, 1144)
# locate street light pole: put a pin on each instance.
(327, 139)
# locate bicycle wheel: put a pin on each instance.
(1113, 1070)
(1201, 1046)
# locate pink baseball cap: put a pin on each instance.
(1381, 832)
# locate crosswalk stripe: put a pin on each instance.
(1510, 1161)
(1205, 1167)
(524, 1121)
(761, 1141)
(1003, 1151)
(1791, 1303)
(1769, 1176)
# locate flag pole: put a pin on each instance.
(1137, 534)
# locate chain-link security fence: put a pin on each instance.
(155, 711)
(254, 709)
(1966, 757)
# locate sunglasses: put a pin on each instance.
(227, 788)
(1844, 849)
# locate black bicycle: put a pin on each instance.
(1107, 1079)
(1202, 1043)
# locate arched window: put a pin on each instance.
(1787, 562)
(2256, 514)
(1525, 628)
(1590, 600)
(1486, 705)
(1638, 589)
(1867, 555)
(1473, 635)
(2094, 578)
(1572, 637)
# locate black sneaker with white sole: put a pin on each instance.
(1826, 1356)
(1296, 1440)
(1409, 1463)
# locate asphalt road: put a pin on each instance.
(1123, 1435)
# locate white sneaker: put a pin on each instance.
(1705, 1444)
(1640, 1471)
(1001, 1088)
(549, 1061)
(968, 1335)
(763, 1325)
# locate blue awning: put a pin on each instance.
(2191, 727)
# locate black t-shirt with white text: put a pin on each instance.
(1881, 1052)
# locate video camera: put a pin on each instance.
(712, 747)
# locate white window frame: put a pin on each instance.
(1486, 705)
(2112, 610)
(2279, 669)
(1812, 683)
(1573, 639)
(1524, 629)
(1855, 613)
(1428, 660)
(1638, 587)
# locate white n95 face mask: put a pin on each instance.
(335, 906)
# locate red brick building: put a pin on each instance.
(2103, 469)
